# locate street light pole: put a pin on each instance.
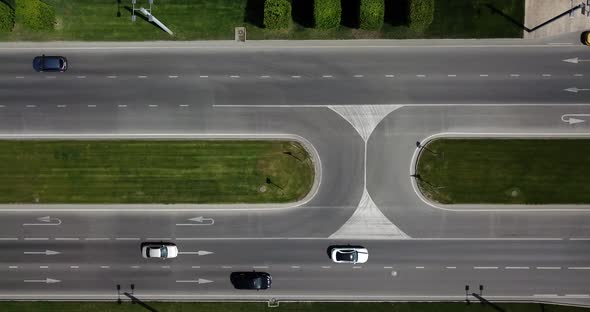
(420, 146)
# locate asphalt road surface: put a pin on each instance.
(460, 86)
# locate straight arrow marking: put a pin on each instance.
(46, 281)
(575, 60)
(200, 252)
(575, 90)
(197, 281)
(200, 221)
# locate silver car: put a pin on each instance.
(159, 250)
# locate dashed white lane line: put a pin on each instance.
(451, 267)
(67, 238)
(327, 76)
(9, 238)
(357, 267)
(295, 267)
(122, 105)
(97, 238)
(234, 76)
(31, 106)
(451, 75)
(578, 75)
(50, 77)
(36, 238)
(485, 268)
(420, 76)
(296, 76)
(195, 267)
(577, 295)
(43, 267)
(159, 238)
(578, 268)
(264, 76)
(112, 77)
(135, 266)
(579, 238)
(165, 267)
(358, 76)
(260, 267)
(326, 266)
(203, 76)
(546, 75)
(105, 266)
(2, 106)
(74, 267)
(20, 77)
(389, 76)
(153, 105)
(13, 266)
(183, 105)
(419, 267)
(127, 238)
(545, 295)
(141, 77)
(514, 75)
(517, 268)
(173, 76)
(81, 77)
(226, 266)
(548, 268)
(483, 75)
(91, 105)
(61, 106)
(388, 267)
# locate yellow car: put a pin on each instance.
(586, 38)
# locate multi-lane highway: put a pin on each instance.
(362, 106)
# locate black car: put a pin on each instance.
(46, 63)
(251, 280)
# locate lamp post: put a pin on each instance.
(420, 146)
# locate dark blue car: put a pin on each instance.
(46, 63)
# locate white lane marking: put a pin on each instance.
(548, 268)
(419, 267)
(545, 295)
(560, 43)
(141, 77)
(295, 267)
(517, 268)
(451, 267)
(234, 76)
(578, 75)
(36, 238)
(50, 77)
(388, 267)
(159, 238)
(577, 295)
(153, 105)
(421, 76)
(67, 238)
(165, 267)
(514, 75)
(578, 268)
(8, 238)
(295, 76)
(122, 105)
(483, 75)
(195, 267)
(2, 106)
(226, 266)
(183, 105)
(358, 76)
(81, 77)
(579, 238)
(326, 266)
(126, 238)
(19, 77)
(135, 266)
(327, 76)
(13, 266)
(111, 77)
(546, 75)
(43, 267)
(451, 75)
(203, 76)
(91, 105)
(173, 76)
(485, 268)
(31, 106)
(260, 267)
(389, 76)
(97, 238)
(74, 267)
(357, 267)
(264, 76)
(61, 105)
(105, 266)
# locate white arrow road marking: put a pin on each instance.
(575, 60)
(46, 281)
(570, 118)
(198, 281)
(200, 252)
(47, 220)
(200, 221)
(46, 252)
(575, 90)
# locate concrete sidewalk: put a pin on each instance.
(539, 11)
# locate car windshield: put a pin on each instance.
(52, 63)
(347, 255)
(164, 252)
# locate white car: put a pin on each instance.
(349, 254)
(160, 250)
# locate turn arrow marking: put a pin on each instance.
(572, 120)
(46, 281)
(46, 252)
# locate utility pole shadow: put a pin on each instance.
(521, 25)
(141, 303)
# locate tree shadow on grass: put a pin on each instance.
(397, 12)
(255, 13)
(350, 13)
(302, 12)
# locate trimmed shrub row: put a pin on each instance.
(277, 14)
(6, 17)
(326, 13)
(421, 14)
(372, 13)
(35, 14)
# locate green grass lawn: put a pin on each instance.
(96, 20)
(506, 171)
(284, 307)
(153, 171)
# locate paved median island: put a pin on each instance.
(505, 171)
(154, 171)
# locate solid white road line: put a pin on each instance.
(485, 268)
(517, 268)
(8, 238)
(579, 238)
(548, 268)
(545, 295)
(578, 268)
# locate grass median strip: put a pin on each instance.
(506, 171)
(141, 171)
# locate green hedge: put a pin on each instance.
(277, 14)
(326, 13)
(35, 14)
(372, 13)
(421, 14)
(6, 17)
